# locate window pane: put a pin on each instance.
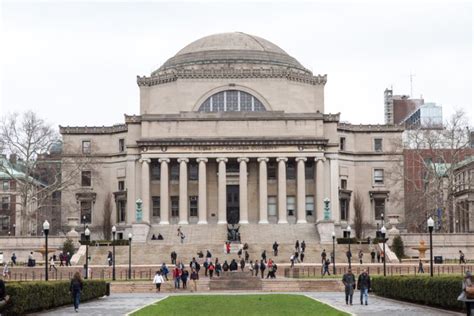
(378, 176)
(174, 171)
(86, 178)
(155, 170)
(174, 206)
(309, 170)
(290, 205)
(193, 206)
(379, 205)
(378, 144)
(156, 206)
(5, 203)
(218, 102)
(272, 206)
(4, 223)
(86, 211)
(232, 100)
(206, 106)
(272, 170)
(193, 171)
(245, 102)
(258, 106)
(309, 205)
(290, 170)
(121, 210)
(86, 147)
(344, 207)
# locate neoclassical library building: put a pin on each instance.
(233, 130)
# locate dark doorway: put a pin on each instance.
(233, 209)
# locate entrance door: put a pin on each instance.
(233, 209)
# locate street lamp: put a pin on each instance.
(84, 224)
(114, 230)
(129, 256)
(430, 228)
(383, 221)
(87, 234)
(383, 231)
(46, 232)
(333, 253)
(349, 233)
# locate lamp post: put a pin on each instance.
(349, 233)
(333, 253)
(383, 231)
(84, 224)
(114, 230)
(383, 221)
(129, 256)
(87, 234)
(46, 232)
(430, 228)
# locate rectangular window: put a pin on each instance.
(4, 223)
(155, 170)
(121, 145)
(175, 206)
(272, 170)
(309, 205)
(193, 172)
(344, 184)
(121, 185)
(86, 146)
(379, 208)
(86, 178)
(5, 203)
(272, 205)
(193, 206)
(86, 212)
(290, 170)
(290, 205)
(378, 176)
(156, 206)
(232, 166)
(309, 170)
(6, 185)
(121, 210)
(344, 206)
(378, 145)
(174, 172)
(342, 143)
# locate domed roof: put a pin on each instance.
(231, 48)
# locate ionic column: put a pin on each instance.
(334, 168)
(202, 191)
(244, 216)
(263, 195)
(301, 191)
(282, 190)
(131, 191)
(183, 191)
(319, 196)
(164, 191)
(146, 189)
(221, 192)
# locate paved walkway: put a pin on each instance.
(121, 304)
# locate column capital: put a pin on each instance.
(333, 156)
(243, 159)
(284, 159)
(201, 160)
(167, 160)
(301, 159)
(180, 160)
(261, 159)
(145, 160)
(222, 159)
(319, 158)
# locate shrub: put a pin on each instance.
(68, 246)
(397, 247)
(439, 291)
(343, 241)
(27, 297)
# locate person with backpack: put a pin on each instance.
(165, 270)
(211, 269)
(75, 288)
(323, 256)
(157, 280)
(363, 284)
(262, 268)
(13, 259)
(218, 268)
(225, 266)
(184, 278)
(326, 267)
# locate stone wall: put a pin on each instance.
(446, 245)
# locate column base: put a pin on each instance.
(243, 222)
(301, 221)
(183, 223)
(202, 223)
(221, 222)
(283, 222)
(164, 223)
(263, 222)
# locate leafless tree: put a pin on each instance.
(358, 217)
(107, 217)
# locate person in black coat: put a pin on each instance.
(76, 288)
(263, 266)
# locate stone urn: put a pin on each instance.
(421, 249)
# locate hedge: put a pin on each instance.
(27, 297)
(438, 291)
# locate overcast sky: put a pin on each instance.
(75, 63)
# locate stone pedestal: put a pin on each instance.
(325, 229)
(140, 232)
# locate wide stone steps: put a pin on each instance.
(149, 287)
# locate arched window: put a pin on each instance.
(232, 101)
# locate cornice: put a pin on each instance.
(98, 130)
(371, 128)
(261, 141)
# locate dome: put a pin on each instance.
(238, 49)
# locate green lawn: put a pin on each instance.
(233, 305)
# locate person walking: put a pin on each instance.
(256, 267)
(382, 256)
(323, 256)
(61, 259)
(6, 271)
(301, 256)
(262, 267)
(176, 277)
(75, 288)
(242, 264)
(184, 278)
(264, 256)
(378, 256)
(275, 249)
(303, 246)
(68, 260)
(467, 285)
(165, 271)
(13, 259)
(461, 257)
(109, 258)
(292, 261)
(372, 256)
(349, 256)
(157, 280)
(363, 284)
(247, 256)
(52, 264)
(349, 284)
(181, 236)
(420, 267)
(297, 245)
(211, 269)
(361, 255)
(173, 256)
(218, 268)
(194, 278)
(326, 267)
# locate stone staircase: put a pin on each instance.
(236, 281)
(149, 287)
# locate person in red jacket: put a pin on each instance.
(176, 277)
(227, 247)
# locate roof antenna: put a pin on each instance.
(411, 83)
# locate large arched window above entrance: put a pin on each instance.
(232, 101)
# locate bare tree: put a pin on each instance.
(107, 219)
(358, 211)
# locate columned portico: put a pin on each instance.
(221, 191)
(301, 191)
(243, 191)
(183, 191)
(164, 191)
(146, 189)
(202, 191)
(262, 185)
(282, 190)
(319, 187)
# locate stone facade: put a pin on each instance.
(262, 151)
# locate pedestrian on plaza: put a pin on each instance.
(297, 245)
(297, 257)
(227, 247)
(420, 267)
(246, 246)
(303, 246)
(378, 256)
(165, 270)
(301, 256)
(184, 278)
(173, 256)
(256, 267)
(239, 253)
(323, 256)
(109, 258)
(270, 267)
(467, 284)
(6, 271)
(264, 256)
(292, 261)
(382, 256)
(218, 267)
(349, 285)
(181, 236)
(61, 259)
(326, 267)
(68, 259)
(200, 254)
(242, 264)
(206, 267)
(225, 266)
(157, 280)
(247, 256)
(179, 231)
(349, 256)
(194, 264)
(76, 288)
(251, 267)
(372, 256)
(176, 277)
(30, 260)
(262, 267)
(361, 255)
(13, 259)
(275, 249)
(461, 257)
(194, 278)
(4, 298)
(233, 265)
(363, 284)
(208, 254)
(52, 264)
(211, 269)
